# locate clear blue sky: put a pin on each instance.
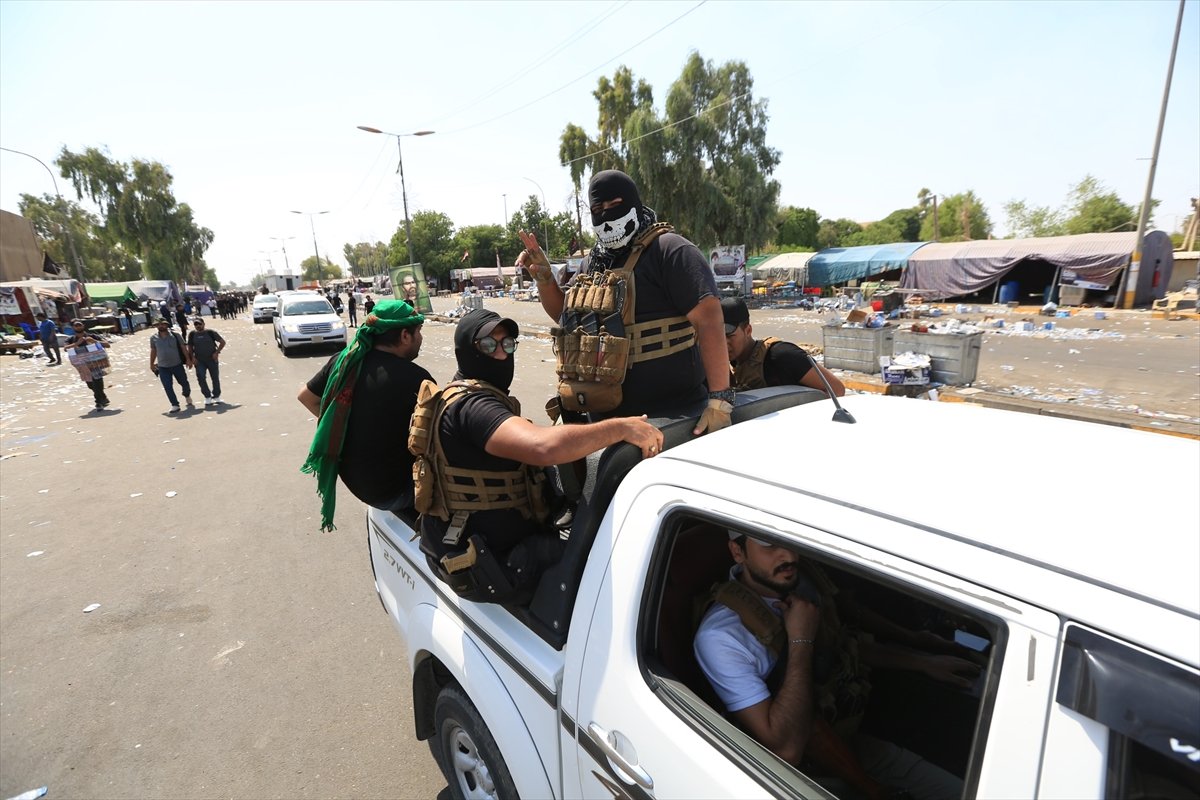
(254, 106)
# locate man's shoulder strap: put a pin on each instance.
(643, 241)
(763, 623)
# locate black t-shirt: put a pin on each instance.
(672, 277)
(376, 465)
(464, 432)
(785, 365)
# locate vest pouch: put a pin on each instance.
(425, 494)
(589, 349)
(566, 348)
(612, 359)
(589, 396)
(591, 296)
(420, 427)
(604, 303)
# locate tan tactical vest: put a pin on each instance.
(843, 693)
(748, 373)
(592, 360)
(454, 493)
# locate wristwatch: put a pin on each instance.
(727, 395)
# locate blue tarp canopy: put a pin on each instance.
(838, 265)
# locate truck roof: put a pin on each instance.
(1115, 505)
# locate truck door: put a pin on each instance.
(627, 742)
(642, 725)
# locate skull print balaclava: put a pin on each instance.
(616, 226)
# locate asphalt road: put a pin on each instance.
(236, 650)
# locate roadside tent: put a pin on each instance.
(159, 291)
(838, 265)
(110, 292)
(1089, 261)
(781, 268)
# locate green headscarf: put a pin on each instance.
(325, 453)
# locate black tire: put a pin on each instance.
(464, 748)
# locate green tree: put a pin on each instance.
(1025, 221)
(433, 243)
(365, 258)
(833, 232)
(324, 270)
(1091, 209)
(797, 227)
(103, 259)
(704, 165)
(481, 242)
(902, 225)
(141, 213)
(951, 226)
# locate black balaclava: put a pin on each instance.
(474, 364)
(615, 227)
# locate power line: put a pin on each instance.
(715, 106)
(574, 37)
(512, 111)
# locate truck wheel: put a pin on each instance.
(464, 748)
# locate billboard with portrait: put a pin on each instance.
(408, 284)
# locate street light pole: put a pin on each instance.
(66, 227)
(283, 246)
(403, 189)
(312, 225)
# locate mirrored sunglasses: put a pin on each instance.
(488, 345)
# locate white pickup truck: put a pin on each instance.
(1066, 553)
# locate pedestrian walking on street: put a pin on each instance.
(352, 308)
(91, 374)
(204, 347)
(48, 333)
(181, 318)
(368, 304)
(169, 361)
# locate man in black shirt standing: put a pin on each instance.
(768, 362)
(686, 373)
(494, 512)
(363, 399)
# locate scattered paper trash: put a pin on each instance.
(43, 491)
(90, 608)
(136, 494)
(172, 494)
(34, 553)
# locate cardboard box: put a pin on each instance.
(905, 376)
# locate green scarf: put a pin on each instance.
(325, 452)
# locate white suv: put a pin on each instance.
(263, 308)
(307, 319)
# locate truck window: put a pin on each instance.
(1150, 706)
(863, 695)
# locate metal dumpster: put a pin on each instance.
(954, 357)
(856, 349)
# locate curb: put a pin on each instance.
(1102, 416)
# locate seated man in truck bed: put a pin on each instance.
(479, 481)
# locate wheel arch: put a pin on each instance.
(449, 657)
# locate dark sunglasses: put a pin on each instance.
(488, 345)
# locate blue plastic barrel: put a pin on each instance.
(1009, 292)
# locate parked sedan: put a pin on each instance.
(307, 319)
(264, 308)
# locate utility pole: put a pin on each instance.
(966, 217)
(505, 209)
(1126, 299)
(936, 234)
(1189, 233)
